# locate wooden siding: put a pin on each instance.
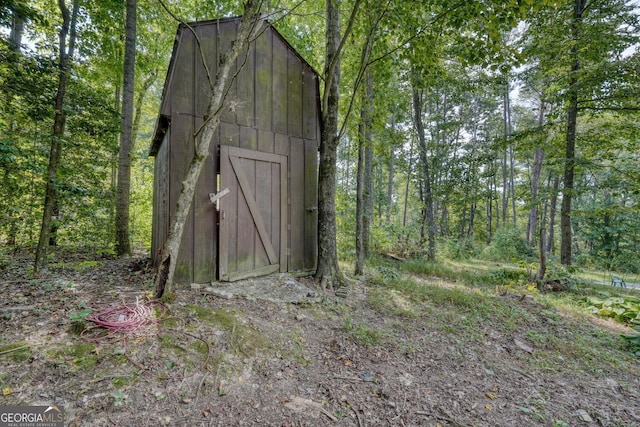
(272, 107)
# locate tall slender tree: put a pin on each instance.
(328, 271)
(65, 54)
(566, 241)
(123, 245)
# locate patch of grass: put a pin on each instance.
(240, 336)
(17, 352)
(391, 301)
(120, 382)
(425, 268)
(82, 355)
(296, 351)
(362, 334)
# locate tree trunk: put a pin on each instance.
(390, 177)
(250, 27)
(406, 187)
(328, 271)
(538, 158)
(367, 219)
(138, 107)
(17, 30)
(428, 218)
(505, 188)
(123, 245)
(359, 268)
(490, 210)
(572, 118)
(512, 185)
(51, 194)
(551, 248)
(542, 256)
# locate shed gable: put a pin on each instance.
(273, 106)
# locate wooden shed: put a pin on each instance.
(263, 162)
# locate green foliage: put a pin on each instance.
(458, 249)
(80, 315)
(507, 244)
(120, 398)
(624, 309)
(363, 334)
(634, 341)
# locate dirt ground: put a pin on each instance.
(319, 360)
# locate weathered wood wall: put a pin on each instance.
(272, 107)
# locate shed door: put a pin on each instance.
(253, 215)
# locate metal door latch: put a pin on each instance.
(215, 197)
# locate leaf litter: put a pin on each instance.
(247, 361)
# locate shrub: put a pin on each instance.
(508, 244)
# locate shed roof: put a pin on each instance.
(162, 122)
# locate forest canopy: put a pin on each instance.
(503, 130)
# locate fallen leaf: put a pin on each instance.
(490, 395)
(7, 391)
(489, 406)
(348, 362)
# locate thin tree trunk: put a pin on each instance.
(490, 210)
(406, 187)
(512, 185)
(51, 194)
(367, 219)
(250, 27)
(17, 30)
(505, 189)
(572, 118)
(138, 107)
(123, 244)
(538, 158)
(359, 268)
(428, 220)
(390, 177)
(327, 270)
(551, 248)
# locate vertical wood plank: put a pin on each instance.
(205, 220)
(208, 43)
(310, 104)
(281, 144)
(279, 86)
(181, 146)
(297, 209)
(226, 244)
(181, 87)
(265, 141)
(160, 200)
(294, 95)
(311, 204)
(283, 214)
(248, 138)
(229, 134)
(264, 201)
(264, 81)
(181, 153)
(246, 233)
(244, 103)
